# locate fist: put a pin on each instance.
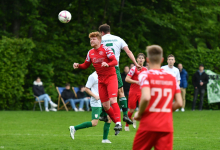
(97, 97)
(76, 65)
(104, 64)
(138, 67)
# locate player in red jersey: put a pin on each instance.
(158, 88)
(104, 61)
(134, 92)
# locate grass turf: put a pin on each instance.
(198, 130)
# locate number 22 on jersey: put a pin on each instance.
(166, 94)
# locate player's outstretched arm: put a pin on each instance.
(177, 101)
(131, 56)
(85, 65)
(129, 80)
(88, 91)
(145, 98)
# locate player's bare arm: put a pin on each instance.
(76, 65)
(145, 98)
(179, 82)
(178, 101)
(131, 56)
(129, 80)
(88, 91)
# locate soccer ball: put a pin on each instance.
(64, 16)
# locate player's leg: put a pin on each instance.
(164, 141)
(144, 140)
(93, 123)
(103, 94)
(103, 116)
(131, 105)
(106, 131)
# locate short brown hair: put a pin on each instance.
(104, 28)
(154, 53)
(67, 84)
(141, 54)
(95, 34)
(171, 55)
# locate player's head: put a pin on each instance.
(131, 65)
(95, 39)
(154, 54)
(170, 60)
(104, 29)
(180, 66)
(126, 69)
(201, 67)
(67, 86)
(140, 59)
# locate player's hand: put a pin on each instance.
(137, 117)
(138, 67)
(137, 82)
(76, 65)
(97, 97)
(104, 64)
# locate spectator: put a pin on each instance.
(38, 90)
(170, 67)
(131, 65)
(69, 96)
(147, 66)
(81, 94)
(183, 84)
(126, 85)
(199, 80)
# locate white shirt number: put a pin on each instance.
(166, 93)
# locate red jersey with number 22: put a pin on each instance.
(133, 73)
(163, 87)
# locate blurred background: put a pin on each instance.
(35, 43)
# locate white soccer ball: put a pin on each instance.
(64, 16)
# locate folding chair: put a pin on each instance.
(38, 101)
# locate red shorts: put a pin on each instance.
(133, 98)
(145, 140)
(108, 88)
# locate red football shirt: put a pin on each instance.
(96, 57)
(158, 114)
(133, 73)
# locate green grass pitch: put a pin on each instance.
(198, 130)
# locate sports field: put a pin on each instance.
(198, 130)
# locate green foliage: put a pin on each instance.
(15, 55)
(187, 29)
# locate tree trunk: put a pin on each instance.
(121, 14)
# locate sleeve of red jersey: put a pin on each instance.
(111, 56)
(131, 72)
(143, 79)
(86, 64)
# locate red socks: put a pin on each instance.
(117, 112)
(111, 114)
(129, 115)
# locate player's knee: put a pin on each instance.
(113, 100)
(94, 122)
(106, 106)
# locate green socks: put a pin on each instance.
(83, 125)
(106, 130)
(124, 105)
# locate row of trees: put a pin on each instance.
(34, 43)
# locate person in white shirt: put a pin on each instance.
(117, 44)
(170, 67)
(96, 106)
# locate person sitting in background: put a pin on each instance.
(126, 85)
(38, 90)
(81, 94)
(131, 65)
(69, 96)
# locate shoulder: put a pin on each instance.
(164, 67)
(90, 51)
(171, 74)
(133, 68)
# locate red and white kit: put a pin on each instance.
(135, 91)
(156, 125)
(107, 78)
(106, 75)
